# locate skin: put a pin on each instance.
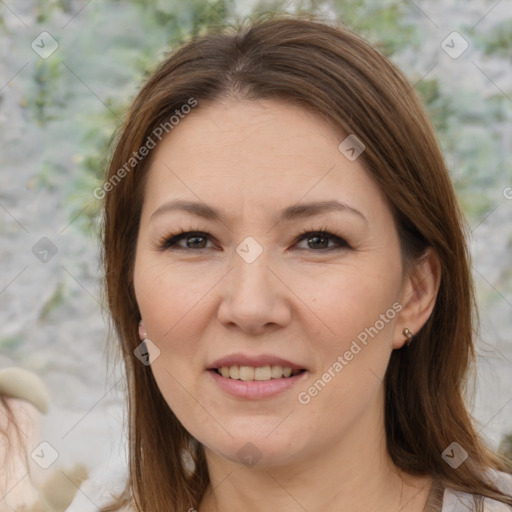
(297, 300)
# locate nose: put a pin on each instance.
(254, 297)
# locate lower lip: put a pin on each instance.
(255, 389)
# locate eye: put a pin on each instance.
(319, 240)
(198, 240)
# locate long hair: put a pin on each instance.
(328, 70)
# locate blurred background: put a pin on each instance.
(68, 71)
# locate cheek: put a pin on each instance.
(173, 303)
(352, 354)
(353, 342)
(173, 311)
(351, 300)
(169, 297)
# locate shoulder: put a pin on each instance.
(457, 501)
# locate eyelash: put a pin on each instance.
(168, 242)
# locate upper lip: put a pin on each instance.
(254, 361)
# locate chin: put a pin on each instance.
(258, 450)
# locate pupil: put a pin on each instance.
(196, 238)
(319, 237)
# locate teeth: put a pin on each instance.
(234, 372)
(249, 373)
(262, 373)
(246, 373)
(276, 372)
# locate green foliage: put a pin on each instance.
(498, 42)
(381, 22)
(45, 9)
(45, 93)
(56, 300)
(10, 343)
(438, 105)
(49, 177)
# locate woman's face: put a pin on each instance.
(254, 294)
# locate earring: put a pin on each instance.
(408, 334)
(142, 331)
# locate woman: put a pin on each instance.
(289, 280)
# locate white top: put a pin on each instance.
(96, 492)
(454, 501)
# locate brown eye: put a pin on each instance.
(198, 241)
(193, 240)
(319, 240)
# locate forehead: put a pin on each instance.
(260, 154)
(265, 130)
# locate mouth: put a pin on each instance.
(257, 382)
(257, 373)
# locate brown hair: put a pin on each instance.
(326, 68)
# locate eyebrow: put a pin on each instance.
(289, 213)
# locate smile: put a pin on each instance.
(252, 388)
(260, 373)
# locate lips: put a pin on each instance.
(256, 389)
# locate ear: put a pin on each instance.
(142, 331)
(418, 297)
